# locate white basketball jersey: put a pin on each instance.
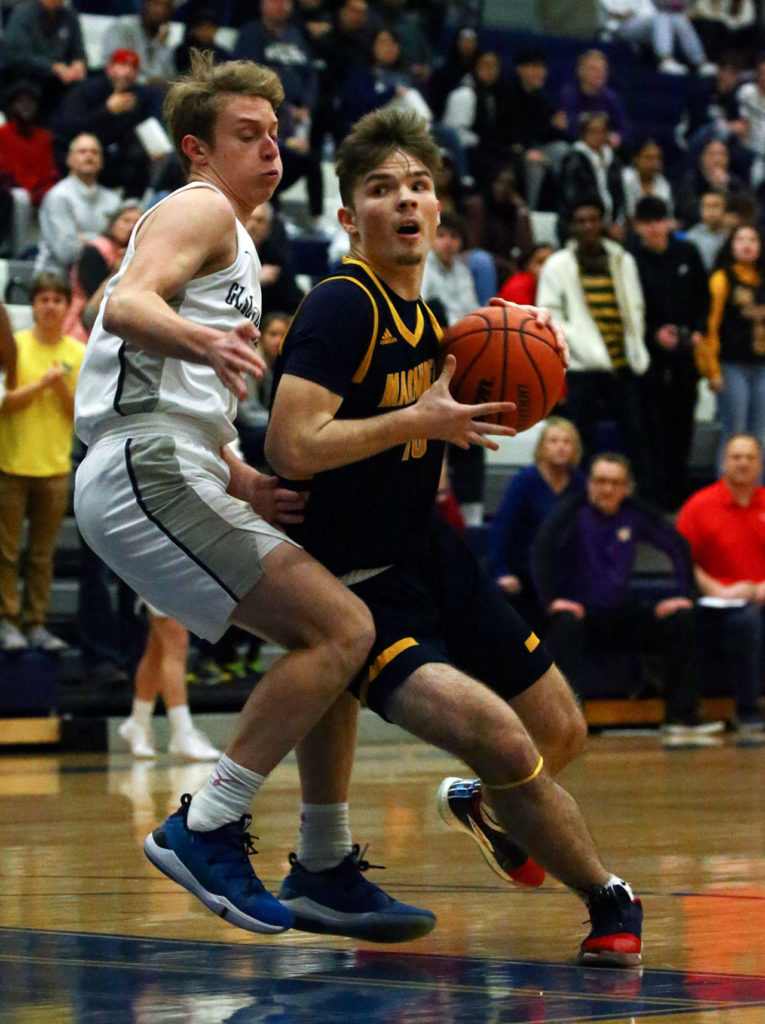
(119, 380)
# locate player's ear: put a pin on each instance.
(347, 217)
(194, 149)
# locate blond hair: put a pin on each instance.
(194, 100)
(560, 423)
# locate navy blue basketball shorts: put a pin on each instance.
(440, 605)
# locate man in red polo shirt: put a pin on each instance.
(725, 527)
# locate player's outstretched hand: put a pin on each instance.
(232, 356)
(543, 316)
(277, 505)
(441, 416)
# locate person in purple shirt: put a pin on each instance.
(588, 93)
(583, 561)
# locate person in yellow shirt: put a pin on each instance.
(36, 428)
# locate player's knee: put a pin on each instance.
(352, 637)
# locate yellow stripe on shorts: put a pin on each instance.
(531, 642)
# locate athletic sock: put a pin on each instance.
(180, 720)
(225, 797)
(325, 835)
(141, 712)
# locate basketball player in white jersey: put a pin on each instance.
(163, 501)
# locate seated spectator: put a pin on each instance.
(407, 24)
(452, 69)
(76, 210)
(710, 173)
(713, 113)
(26, 158)
(644, 177)
(583, 561)
(538, 130)
(507, 225)
(593, 289)
(201, 26)
(726, 25)
(97, 262)
(110, 105)
(725, 527)
(457, 199)
(36, 430)
(751, 108)
(43, 41)
(662, 27)
(521, 287)
(252, 412)
(592, 172)
(448, 286)
(530, 497)
(731, 354)
(711, 233)
(277, 278)
(676, 295)
(589, 93)
(145, 34)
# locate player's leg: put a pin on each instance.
(552, 715)
(136, 730)
(326, 887)
(444, 707)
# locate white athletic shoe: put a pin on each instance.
(670, 66)
(11, 637)
(194, 746)
(42, 639)
(140, 740)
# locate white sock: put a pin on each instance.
(610, 881)
(180, 720)
(142, 711)
(225, 797)
(325, 835)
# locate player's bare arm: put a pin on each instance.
(189, 236)
(277, 505)
(304, 437)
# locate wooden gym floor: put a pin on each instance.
(91, 933)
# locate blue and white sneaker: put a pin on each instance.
(215, 867)
(340, 901)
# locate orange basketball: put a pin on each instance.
(504, 355)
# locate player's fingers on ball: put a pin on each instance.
(447, 370)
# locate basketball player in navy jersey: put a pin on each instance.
(356, 422)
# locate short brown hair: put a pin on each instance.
(372, 140)
(194, 100)
(47, 281)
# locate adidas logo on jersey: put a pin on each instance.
(388, 338)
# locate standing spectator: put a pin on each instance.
(450, 70)
(26, 157)
(145, 34)
(77, 209)
(521, 287)
(589, 93)
(644, 177)
(593, 289)
(507, 224)
(711, 233)
(7, 355)
(277, 277)
(676, 294)
(43, 41)
(201, 26)
(725, 527)
(36, 429)
(110, 105)
(664, 27)
(530, 497)
(592, 172)
(732, 353)
(583, 561)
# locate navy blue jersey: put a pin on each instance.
(377, 352)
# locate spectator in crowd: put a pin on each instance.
(162, 671)
(710, 173)
(43, 41)
(400, 17)
(644, 177)
(110, 105)
(713, 113)
(711, 233)
(538, 130)
(583, 562)
(447, 285)
(480, 112)
(593, 289)
(521, 287)
(663, 27)
(589, 93)
(36, 430)
(147, 35)
(676, 294)
(725, 527)
(591, 171)
(507, 225)
(77, 209)
(96, 263)
(252, 413)
(456, 198)
(314, 18)
(751, 106)
(726, 25)
(530, 497)
(202, 25)
(732, 352)
(450, 70)
(7, 355)
(277, 278)
(26, 158)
